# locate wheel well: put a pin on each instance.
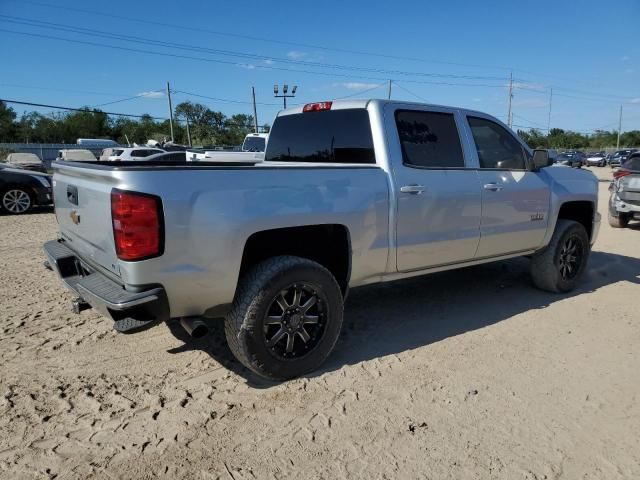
(329, 245)
(581, 212)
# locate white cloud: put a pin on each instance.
(477, 100)
(635, 100)
(358, 85)
(151, 94)
(248, 66)
(268, 61)
(535, 86)
(629, 70)
(625, 58)
(296, 54)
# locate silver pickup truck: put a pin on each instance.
(350, 193)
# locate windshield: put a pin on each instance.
(253, 144)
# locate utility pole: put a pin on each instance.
(170, 111)
(255, 112)
(550, 100)
(389, 94)
(188, 131)
(509, 115)
(619, 128)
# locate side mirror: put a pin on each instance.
(540, 159)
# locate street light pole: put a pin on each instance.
(284, 96)
(619, 128)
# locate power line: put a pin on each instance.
(146, 41)
(225, 62)
(191, 28)
(360, 92)
(411, 93)
(54, 89)
(72, 109)
(139, 95)
(141, 40)
(260, 39)
(224, 100)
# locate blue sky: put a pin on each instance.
(445, 52)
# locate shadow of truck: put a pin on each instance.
(390, 318)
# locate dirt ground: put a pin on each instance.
(465, 374)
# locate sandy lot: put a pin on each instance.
(467, 374)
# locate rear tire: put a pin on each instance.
(559, 267)
(285, 318)
(618, 221)
(16, 201)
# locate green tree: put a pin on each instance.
(7, 125)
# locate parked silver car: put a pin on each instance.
(624, 203)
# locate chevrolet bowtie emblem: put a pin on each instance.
(75, 218)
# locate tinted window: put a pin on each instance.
(632, 164)
(497, 148)
(332, 136)
(429, 139)
(254, 144)
(117, 152)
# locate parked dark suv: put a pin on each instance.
(619, 157)
(21, 190)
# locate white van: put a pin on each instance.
(76, 155)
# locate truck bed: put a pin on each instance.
(209, 213)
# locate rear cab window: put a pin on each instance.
(329, 136)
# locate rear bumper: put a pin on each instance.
(128, 309)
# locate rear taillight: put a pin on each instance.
(317, 107)
(621, 173)
(137, 225)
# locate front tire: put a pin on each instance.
(559, 267)
(618, 221)
(16, 201)
(286, 317)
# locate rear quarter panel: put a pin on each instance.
(210, 214)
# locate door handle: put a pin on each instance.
(414, 189)
(493, 187)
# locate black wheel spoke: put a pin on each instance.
(309, 303)
(276, 338)
(304, 335)
(290, 340)
(282, 302)
(311, 319)
(273, 320)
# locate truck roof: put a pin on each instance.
(364, 103)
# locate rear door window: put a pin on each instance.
(331, 136)
(429, 139)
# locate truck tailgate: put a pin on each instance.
(83, 208)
